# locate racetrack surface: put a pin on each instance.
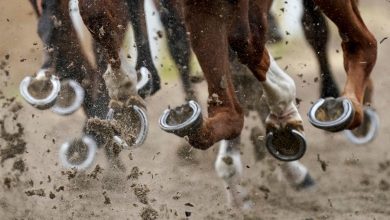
(33, 185)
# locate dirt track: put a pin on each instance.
(355, 185)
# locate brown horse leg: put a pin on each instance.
(360, 51)
(209, 41)
(247, 38)
(108, 26)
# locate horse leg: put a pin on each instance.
(284, 124)
(42, 89)
(225, 114)
(229, 168)
(360, 51)
(317, 33)
(144, 56)
(108, 26)
(178, 44)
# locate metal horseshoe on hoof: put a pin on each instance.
(144, 78)
(78, 98)
(295, 149)
(143, 132)
(116, 138)
(44, 102)
(367, 131)
(85, 162)
(335, 124)
(141, 137)
(182, 129)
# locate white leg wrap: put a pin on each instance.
(294, 172)
(228, 163)
(279, 91)
(229, 167)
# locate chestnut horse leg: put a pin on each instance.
(360, 51)
(284, 123)
(317, 34)
(208, 34)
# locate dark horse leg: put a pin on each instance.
(317, 34)
(178, 44)
(64, 58)
(144, 56)
(63, 54)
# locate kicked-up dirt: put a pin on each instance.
(353, 182)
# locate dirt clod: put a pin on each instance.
(36, 192)
(149, 213)
(19, 165)
(141, 191)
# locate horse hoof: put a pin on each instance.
(144, 125)
(367, 131)
(79, 153)
(143, 82)
(70, 98)
(307, 183)
(37, 92)
(182, 120)
(286, 145)
(331, 114)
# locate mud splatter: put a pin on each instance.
(19, 165)
(94, 174)
(134, 174)
(149, 213)
(141, 192)
(36, 192)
